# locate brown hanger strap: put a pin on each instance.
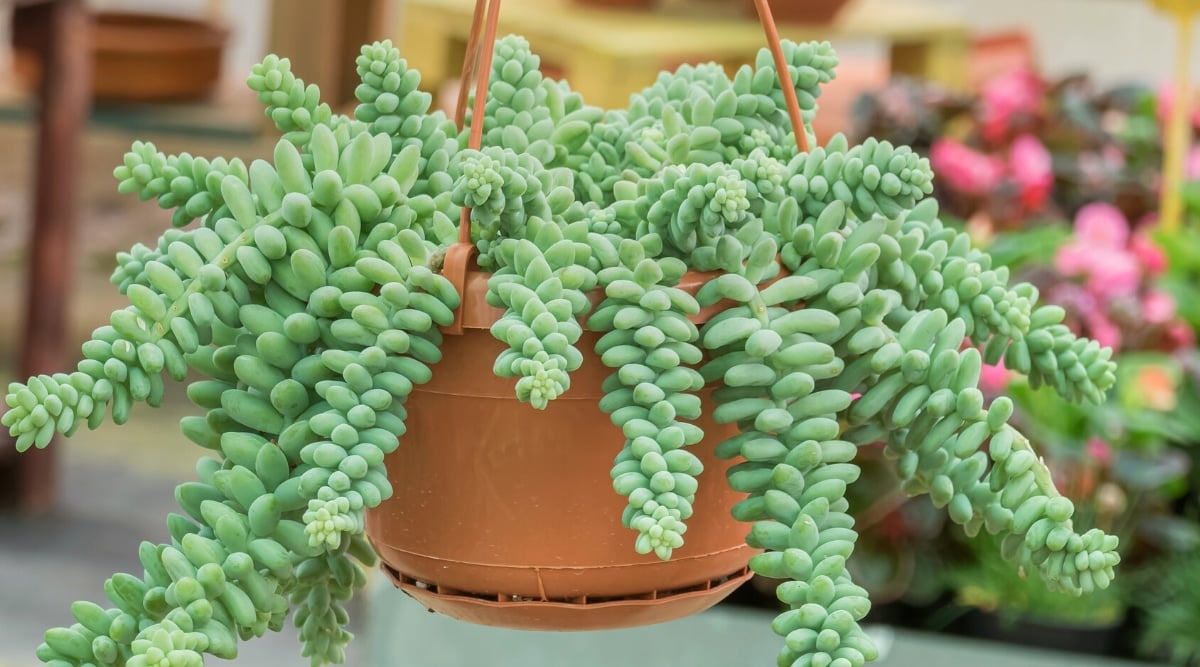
(470, 62)
(785, 74)
(477, 66)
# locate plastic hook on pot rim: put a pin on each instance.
(478, 60)
(476, 72)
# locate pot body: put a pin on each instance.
(505, 515)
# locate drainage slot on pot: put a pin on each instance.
(404, 580)
(576, 613)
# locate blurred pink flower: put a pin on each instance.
(994, 379)
(1193, 164)
(964, 169)
(1152, 257)
(1099, 451)
(1113, 263)
(1102, 225)
(1031, 167)
(1098, 251)
(1113, 156)
(1158, 307)
(1179, 335)
(1073, 259)
(1113, 273)
(1166, 104)
(1103, 330)
(1005, 98)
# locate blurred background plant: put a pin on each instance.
(1025, 151)
(1170, 602)
(1060, 181)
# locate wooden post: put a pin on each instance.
(29, 481)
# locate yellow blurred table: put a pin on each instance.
(608, 54)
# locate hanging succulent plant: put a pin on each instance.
(309, 296)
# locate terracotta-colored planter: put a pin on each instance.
(140, 57)
(816, 12)
(504, 515)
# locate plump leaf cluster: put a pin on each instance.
(307, 302)
(838, 311)
(651, 345)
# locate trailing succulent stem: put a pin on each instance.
(543, 293)
(306, 302)
(650, 344)
(839, 311)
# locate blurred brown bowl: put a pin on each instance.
(135, 57)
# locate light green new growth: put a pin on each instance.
(309, 300)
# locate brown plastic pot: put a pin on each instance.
(815, 12)
(140, 58)
(505, 515)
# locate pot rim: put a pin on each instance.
(476, 313)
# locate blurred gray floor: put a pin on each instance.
(402, 633)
